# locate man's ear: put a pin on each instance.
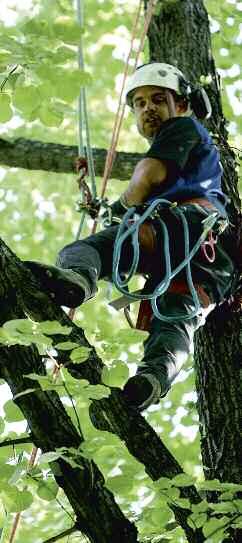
(182, 105)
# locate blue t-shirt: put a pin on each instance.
(193, 161)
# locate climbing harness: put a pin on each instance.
(89, 203)
(130, 228)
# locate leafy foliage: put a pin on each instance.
(38, 100)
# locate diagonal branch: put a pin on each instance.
(14, 442)
(112, 414)
(53, 157)
(97, 514)
(63, 534)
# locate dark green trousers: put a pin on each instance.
(168, 345)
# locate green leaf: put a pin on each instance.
(49, 115)
(45, 382)
(80, 354)
(184, 503)
(66, 346)
(54, 327)
(214, 524)
(226, 496)
(163, 483)
(201, 507)
(197, 520)
(24, 332)
(26, 99)
(67, 30)
(24, 326)
(172, 494)
(2, 425)
(12, 412)
(7, 472)
(159, 516)
(223, 507)
(47, 490)
(215, 484)
(16, 500)
(5, 109)
(115, 376)
(97, 392)
(182, 480)
(48, 457)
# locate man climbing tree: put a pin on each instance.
(171, 39)
(183, 167)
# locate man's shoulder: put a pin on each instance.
(178, 125)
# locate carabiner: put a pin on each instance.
(207, 247)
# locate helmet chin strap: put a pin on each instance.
(170, 103)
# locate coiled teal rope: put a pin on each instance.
(131, 229)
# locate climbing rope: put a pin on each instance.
(130, 228)
(85, 166)
(120, 110)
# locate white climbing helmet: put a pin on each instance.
(160, 75)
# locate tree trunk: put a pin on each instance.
(20, 297)
(180, 35)
(97, 515)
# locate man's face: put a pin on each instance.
(151, 109)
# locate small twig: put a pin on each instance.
(18, 441)
(74, 408)
(7, 77)
(17, 518)
(63, 534)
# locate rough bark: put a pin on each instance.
(97, 515)
(180, 35)
(53, 157)
(51, 427)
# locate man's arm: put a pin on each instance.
(148, 173)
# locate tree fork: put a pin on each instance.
(21, 297)
(98, 515)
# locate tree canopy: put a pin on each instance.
(40, 83)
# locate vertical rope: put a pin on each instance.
(83, 122)
(121, 108)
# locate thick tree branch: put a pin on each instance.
(15, 442)
(97, 514)
(63, 534)
(53, 157)
(113, 414)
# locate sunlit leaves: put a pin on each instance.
(27, 99)
(27, 332)
(47, 490)
(5, 108)
(116, 375)
(12, 412)
(79, 354)
(16, 500)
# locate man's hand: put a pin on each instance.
(148, 173)
(114, 213)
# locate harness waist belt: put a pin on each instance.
(201, 201)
